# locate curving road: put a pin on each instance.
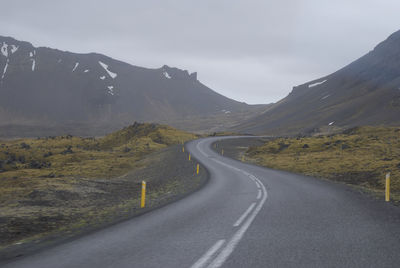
(246, 216)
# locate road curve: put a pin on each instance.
(246, 216)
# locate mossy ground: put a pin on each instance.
(54, 184)
(68, 156)
(360, 156)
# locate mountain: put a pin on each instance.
(365, 92)
(46, 91)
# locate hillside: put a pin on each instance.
(56, 187)
(62, 156)
(46, 91)
(365, 92)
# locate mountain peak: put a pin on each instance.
(176, 73)
(392, 43)
(395, 36)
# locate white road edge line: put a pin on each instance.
(259, 194)
(258, 185)
(207, 256)
(230, 246)
(244, 215)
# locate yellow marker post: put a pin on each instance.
(198, 169)
(222, 151)
(387, 188)
(189, 156)
(143, 199)
(242, 158)
(183, 149)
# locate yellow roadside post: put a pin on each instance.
(387, 188)
(198, 168)
(143, 199)
(189, 156)
(183, 149)
(242, 158)
(222, 152)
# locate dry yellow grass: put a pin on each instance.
(68, 156)
(55, 163)
(56, 183)
(360, 156)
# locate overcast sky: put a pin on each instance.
(249, 50)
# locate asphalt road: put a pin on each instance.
(246, 216)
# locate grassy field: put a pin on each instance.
(69, 156)
(54, 184)
(359, 156)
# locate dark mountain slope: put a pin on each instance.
(366, 92)
(92, 93)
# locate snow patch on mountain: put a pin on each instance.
(4, 49)
(76, 66)
(14, 49)
(111, 90)
(4, 70)
(85, 71)
(31, 54)
(317, 83)
(166, 75)
(105, 67)
(33, 64)
(331, 123)
(325, 97)
(102, 77)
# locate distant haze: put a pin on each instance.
(251, 51)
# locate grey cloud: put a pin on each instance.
(253, 51)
